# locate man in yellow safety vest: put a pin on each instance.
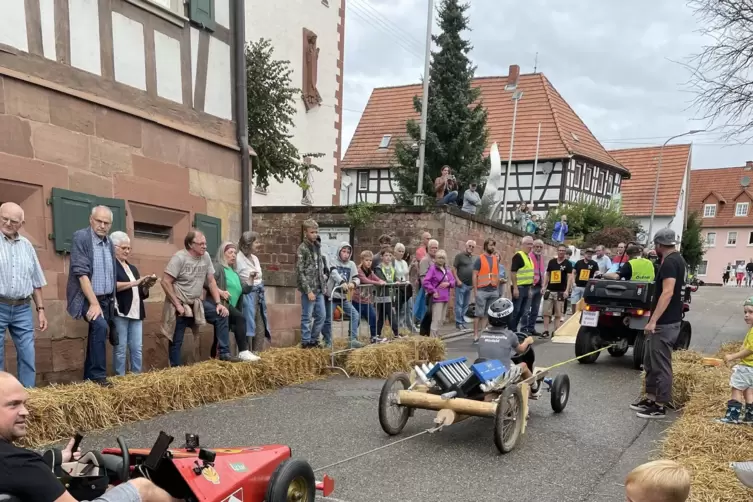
(521, 280)
(636, 268)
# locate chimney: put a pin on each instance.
(749, 165)
(512, 77)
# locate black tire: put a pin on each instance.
(683, 339)
(560, 393)
(638, 348)
(616, 352)
(508, 420)
(293, 480)
(393, 425)
(584, 344)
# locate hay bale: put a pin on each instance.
(729, 348)
(381, 360)
(58, 411)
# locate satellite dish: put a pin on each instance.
(745, 181)
(547, 168)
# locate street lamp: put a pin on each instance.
(418, 198)
(650, 236)
(515, 97)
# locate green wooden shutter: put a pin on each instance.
(211, 227)
(71, 212)
(201, 12)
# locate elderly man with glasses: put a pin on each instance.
(21, 278)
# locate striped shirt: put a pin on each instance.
(103, 280)
(20, 272)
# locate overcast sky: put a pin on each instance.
(612, 61)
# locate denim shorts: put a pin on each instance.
(742, 377)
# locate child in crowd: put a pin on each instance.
(363, 296)
(386, 272)
(658, 481)
(741, 380)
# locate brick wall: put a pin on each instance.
(280, 230)
(49, 139)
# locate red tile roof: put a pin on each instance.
(638, 191)
(723, 187)
(563, 133)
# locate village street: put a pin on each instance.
(583, 454)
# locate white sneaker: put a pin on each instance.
(248, 356)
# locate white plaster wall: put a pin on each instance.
(83, 18)
(47, 11)
(194, 59)
(128, 51)
(13, 25)
(659, 223)
(218, 100)
(222, 12)
(167, 57)
(314, 131)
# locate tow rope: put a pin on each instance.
(440, 426)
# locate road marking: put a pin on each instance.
(330, 499)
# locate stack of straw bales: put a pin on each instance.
(58, 411)
(696, 440)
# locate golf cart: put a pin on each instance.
(616, 313)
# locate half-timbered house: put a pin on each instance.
(571, 164)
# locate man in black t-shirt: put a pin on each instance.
(663, 328)
(25, 475)
(558, 283)
(749, 273)
(583, 271)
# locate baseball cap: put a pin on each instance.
(748, 302)
(665, 237)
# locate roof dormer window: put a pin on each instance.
(709, 210)
(385, 141)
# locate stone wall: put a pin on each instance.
(49, 139)
(280, 230)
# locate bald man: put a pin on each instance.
(91, 289)
(21, 279)
(26, 476)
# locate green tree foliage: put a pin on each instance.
(587, 218)
(271, 114)
(692, 247)
(456, 133)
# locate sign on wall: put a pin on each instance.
(332, 238)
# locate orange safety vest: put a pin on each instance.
(488, 275)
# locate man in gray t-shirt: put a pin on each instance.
(499, 344)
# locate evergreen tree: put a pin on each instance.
(271, 114)
(692, 247)
(456, 133)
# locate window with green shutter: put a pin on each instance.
(211, 227)
(71, 211)
(201, 12)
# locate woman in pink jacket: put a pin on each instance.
(437, 283)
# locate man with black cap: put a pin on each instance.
(663, 328)
(583, 271)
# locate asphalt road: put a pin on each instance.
(582, 454)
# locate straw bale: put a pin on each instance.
(58, 411)
(729, 348)
(381, 360)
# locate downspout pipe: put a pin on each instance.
(241, 112)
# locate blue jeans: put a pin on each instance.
(18, 320)
(95, 365)
(257, 296)
(529, 321)
(519, 304)
(327, 328)
(309, 309)
(419, 305)
(130, 337)
(448, 199)
(462, 300)
(221, 327)
(366, 311)
(351, 311)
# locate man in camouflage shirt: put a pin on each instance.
(310, 278)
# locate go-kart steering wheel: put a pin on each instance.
(522, 338)
(125, 467)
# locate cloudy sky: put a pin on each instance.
(614, 62)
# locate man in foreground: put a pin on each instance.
(663, 328)
(25, 475)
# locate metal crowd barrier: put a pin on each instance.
(397, 295)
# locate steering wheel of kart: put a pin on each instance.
(124, 471)
(522, 338)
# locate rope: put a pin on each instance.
(440, 426)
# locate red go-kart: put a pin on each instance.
(248, 473)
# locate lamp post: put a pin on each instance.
(650, 236)
(516, 97)
(418, 199)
